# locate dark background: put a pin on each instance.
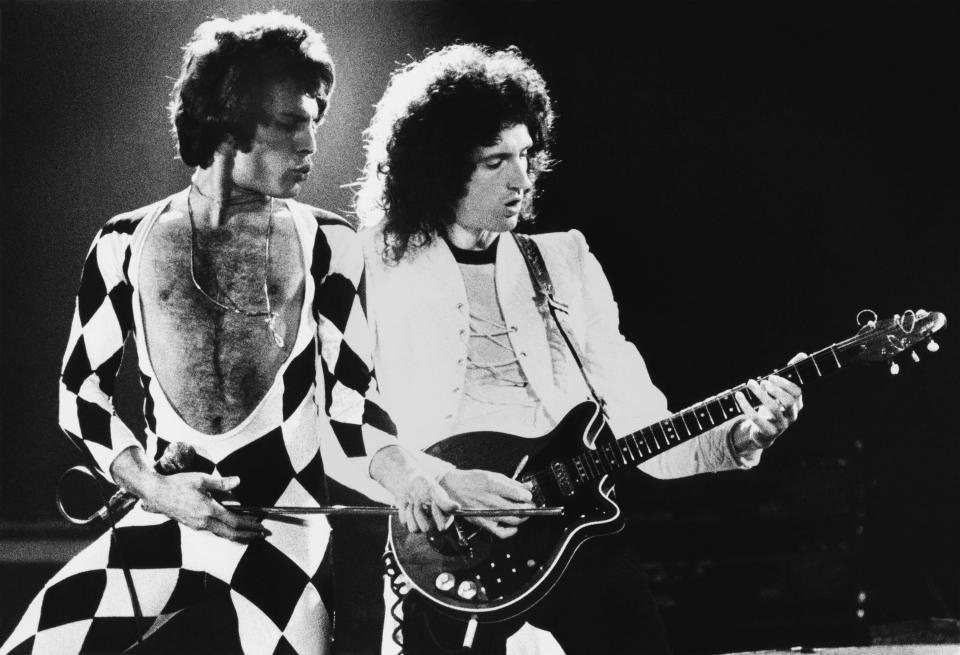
(750, 178)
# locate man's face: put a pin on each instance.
(279, 159)
(499, 182)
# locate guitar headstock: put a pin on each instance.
(883, 339)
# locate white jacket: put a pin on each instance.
(419, 316)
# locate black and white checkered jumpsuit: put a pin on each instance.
(311, 417)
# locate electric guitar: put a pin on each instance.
(471, 574)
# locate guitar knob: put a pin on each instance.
(914, 356)
(933, 346)
(444, 581)
(467, 589)
(894, 368)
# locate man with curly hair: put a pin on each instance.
(247, 315)
(454, 151)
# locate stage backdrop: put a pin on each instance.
(750, 179)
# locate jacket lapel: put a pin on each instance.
(440, 270)
(528, 336)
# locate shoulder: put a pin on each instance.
(127, 222)
(374, 243)
(335, 248)
(333, 232)
(371, 238)
(326, 220)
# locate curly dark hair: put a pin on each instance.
(432, 118)
(228, 68)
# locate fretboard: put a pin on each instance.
(628, 451)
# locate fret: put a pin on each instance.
(625, 449)
(632, 439)
(621, 458)
(609, 454)
(668, 430)
(681, 428)
(598, 461)
(659, 436)
(792, 374)
(730, 405)
(807, 367)
(648, 436)
(692, 427)
(715, 410)
(826, 362)
(646, 444)
(703, 418)
(814, 360)
(588, 463)
(835, 358)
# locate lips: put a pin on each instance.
(301, 172)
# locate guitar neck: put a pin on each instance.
(628, 451)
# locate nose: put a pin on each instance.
(520, 179)
(306, 140)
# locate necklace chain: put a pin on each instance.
(269, 316)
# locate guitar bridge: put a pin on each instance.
(562, 478)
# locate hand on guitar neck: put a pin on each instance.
(780, 403)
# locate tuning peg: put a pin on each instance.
(894, 368)
(866, 318)
(932, 345)
(914, 356)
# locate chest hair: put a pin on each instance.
(214, 365)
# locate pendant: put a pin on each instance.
(271, 321)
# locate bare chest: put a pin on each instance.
(207, 336)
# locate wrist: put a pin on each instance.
(392, 467)
(743, 448)
(134, 474)
(435, 467)
(448, 477)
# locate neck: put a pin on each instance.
(217, 198)
(470, 239)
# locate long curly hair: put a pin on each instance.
(425, 130)
(228, 68)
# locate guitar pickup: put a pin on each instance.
(562, 478)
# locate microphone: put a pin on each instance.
(176, 458)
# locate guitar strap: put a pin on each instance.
(549, 307)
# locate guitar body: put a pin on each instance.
(468, 571)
